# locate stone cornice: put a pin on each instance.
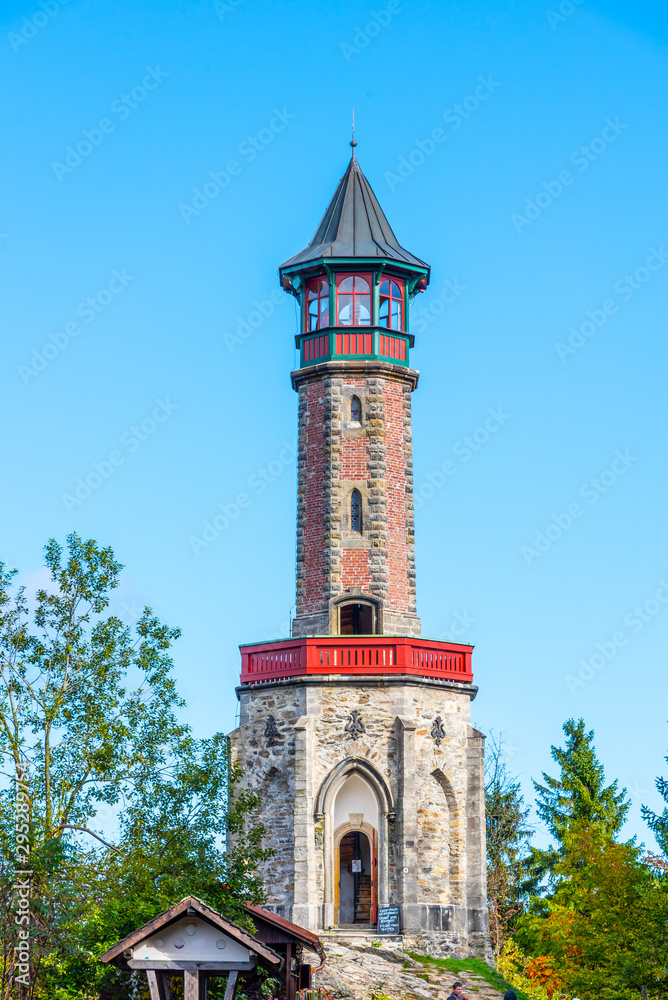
(362, 680)
(347, 369)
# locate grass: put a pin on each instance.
(474, 965)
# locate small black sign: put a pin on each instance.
(389, 920)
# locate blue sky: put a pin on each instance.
(142, 340)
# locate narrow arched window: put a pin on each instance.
(356, 410)
(391, 304)
(356, 511)
(353, 301)
(317, 304)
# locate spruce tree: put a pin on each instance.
(578, 799)
(605, 936)
(658, 823)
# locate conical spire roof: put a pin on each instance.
(354, 225)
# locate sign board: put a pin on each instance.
(389, 920)
(357, 865)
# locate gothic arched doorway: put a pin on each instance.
(357, 891)
(354, 799)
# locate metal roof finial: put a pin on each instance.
(353, 141)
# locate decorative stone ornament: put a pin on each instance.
(354, 725)
(438, 731)
(270, 731)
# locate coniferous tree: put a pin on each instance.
(578, 799)
(603, 932)
(658, 822)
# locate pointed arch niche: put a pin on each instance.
(441, 842)
(356, 806)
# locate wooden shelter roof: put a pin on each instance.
(288, 930)
(191, 906)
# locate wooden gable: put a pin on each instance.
(191, 933)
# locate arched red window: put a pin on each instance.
(353, 301)
(391, 309)
(317, 304)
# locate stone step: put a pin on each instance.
(352, 930)
(357, 934)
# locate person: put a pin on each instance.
(509, 995)
(457, 991)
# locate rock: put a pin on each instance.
(390, 954)
(357, 971)
(335, 986)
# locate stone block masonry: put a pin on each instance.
(428, 821)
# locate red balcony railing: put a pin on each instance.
(355, 654)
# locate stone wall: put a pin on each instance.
(431, 840)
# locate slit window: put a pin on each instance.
(356, 512)
(356, 410)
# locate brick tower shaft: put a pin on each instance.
(338, 560)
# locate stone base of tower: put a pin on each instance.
(463, 933)
(371, 789)
(466, 936)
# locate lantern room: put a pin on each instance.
(354, 282)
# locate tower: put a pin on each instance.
(355, 731)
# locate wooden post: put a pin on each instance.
(165, 985)
(156, 984)
(231, 987)
(644, 993)
(289, 981)
(191, 984)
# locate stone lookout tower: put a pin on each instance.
(356, 731)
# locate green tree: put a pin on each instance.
(508, 836)
(604, 929)
(89, 720)
(658, 822)
(578, 798)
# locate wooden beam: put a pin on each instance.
(155, 984)
(231, 987)
(165, 985)
(289, 981)
(176, 967)
(191, 984)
